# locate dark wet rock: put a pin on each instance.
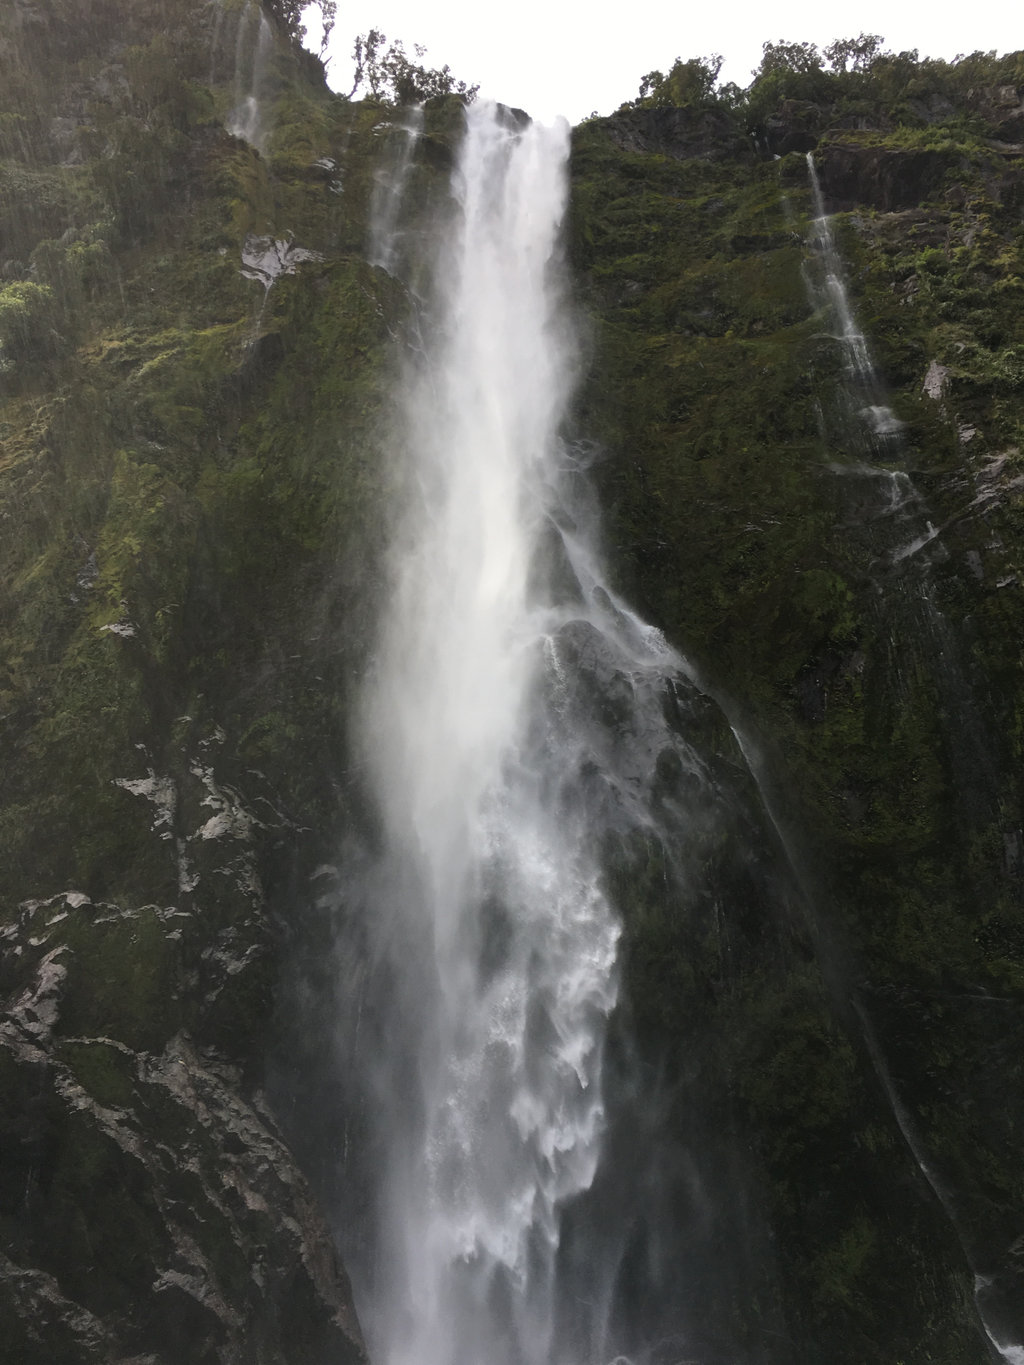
(977, 1094)
(694, 132)
(885, 178)
(873, 651)
(795, 127)
(933, 108)
(186, 1230)
(1002, 107)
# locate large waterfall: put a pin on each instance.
(503, 943)
(500, 776)
(512, 701)
(531, 754)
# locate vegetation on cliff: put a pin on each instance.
(194, 358)
(190, 367)
(760, 524)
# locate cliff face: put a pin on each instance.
(840, 554)
(194, 365)
(188, 371)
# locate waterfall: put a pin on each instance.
(254, 41)
(869, 430)
(498, 776)
(902, 537)
(921, 640)
(827, 291)
(389, 189)
(515, 942)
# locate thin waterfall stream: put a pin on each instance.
(911, 546)
(827, 291)
(254, 42)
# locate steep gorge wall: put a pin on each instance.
(193, 382)
(853, 602)
(191, 363)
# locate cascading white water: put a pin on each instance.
(521, 974)
(254, 41)
(512, 725)
(871, 428)
(499, 776)
(827, 290)
(388, 190)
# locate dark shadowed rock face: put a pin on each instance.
(885, 178)
(165, 1219)
(795, 127)
(1002, 107)
(150, 1207)
(707, 134)
(757, 520)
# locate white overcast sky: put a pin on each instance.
(554, 57)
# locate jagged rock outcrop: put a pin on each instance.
(151, 1212)
(885, 178)
(151, 1209)
(684, 134)
(794, 127)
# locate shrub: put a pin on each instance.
(27, 316)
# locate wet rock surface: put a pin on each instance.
(683, 134)
(150, 1206)
(887, 179)
(853, 590)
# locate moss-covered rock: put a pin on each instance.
(187, 454)
(849, 601)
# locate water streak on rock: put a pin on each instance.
(827, 289)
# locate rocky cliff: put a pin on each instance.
(849, 585)
(188, 338)
(822, 1044)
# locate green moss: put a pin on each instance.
(738, 522)
(126, 979)
(112, 1237)
(102, 1069)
